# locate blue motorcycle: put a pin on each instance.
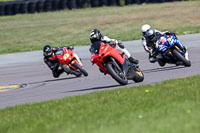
(172, 51)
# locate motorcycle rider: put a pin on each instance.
(52, 62)
(149, 40)
(95, 35)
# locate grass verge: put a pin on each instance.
(63, 28)
(167, 107)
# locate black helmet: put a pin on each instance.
(47, 51)
(95, 35)
(150, 35)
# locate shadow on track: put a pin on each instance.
(52, 80)
(42, 83)
(163, 69)
(93, 88)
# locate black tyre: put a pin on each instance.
(181, 58)
(119, 76)
(39, 6)
(77, 66)
(31, 7)
(139, 76)
(2, 12)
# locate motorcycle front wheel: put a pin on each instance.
(77, 66)
(116, 74)
(181, 58)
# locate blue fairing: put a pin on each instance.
(166, 43)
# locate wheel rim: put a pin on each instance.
(139, 73)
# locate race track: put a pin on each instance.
(27, 69)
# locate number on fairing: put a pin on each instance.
(66, 56)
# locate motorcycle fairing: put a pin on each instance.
(166, 43)
(106, 51)
(66, 57)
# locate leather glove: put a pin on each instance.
(112, 43)
(71, 48)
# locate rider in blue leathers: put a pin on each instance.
(150, 39)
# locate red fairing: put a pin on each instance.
(94, 58)
(107, 51)
(66, 57)
(53, 58)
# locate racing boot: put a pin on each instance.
(152, 59)
(186, 53)
(101, 70)
(133, 61)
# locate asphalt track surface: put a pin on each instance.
(27, 69)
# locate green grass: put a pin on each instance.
(169, 107)
(31, 31)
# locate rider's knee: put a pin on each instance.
(152, 59)
(55, 74)
(161, 62)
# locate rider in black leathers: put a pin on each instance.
(52, 62)
(96, 38)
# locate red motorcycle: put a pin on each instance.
(70, 60)
(112, 61)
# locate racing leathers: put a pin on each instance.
(53, 63)
(150, 45)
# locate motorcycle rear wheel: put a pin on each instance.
(77, 66)
(181, 58)
(119, 76)
(139, 76)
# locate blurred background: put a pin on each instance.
(12, 7)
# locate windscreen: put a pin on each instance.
(60, 52)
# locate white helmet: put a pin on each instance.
(145, 28)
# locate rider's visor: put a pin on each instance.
(48, 53)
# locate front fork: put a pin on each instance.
(115, 63)
(75, 60)
(78, 59)
(181, 50)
